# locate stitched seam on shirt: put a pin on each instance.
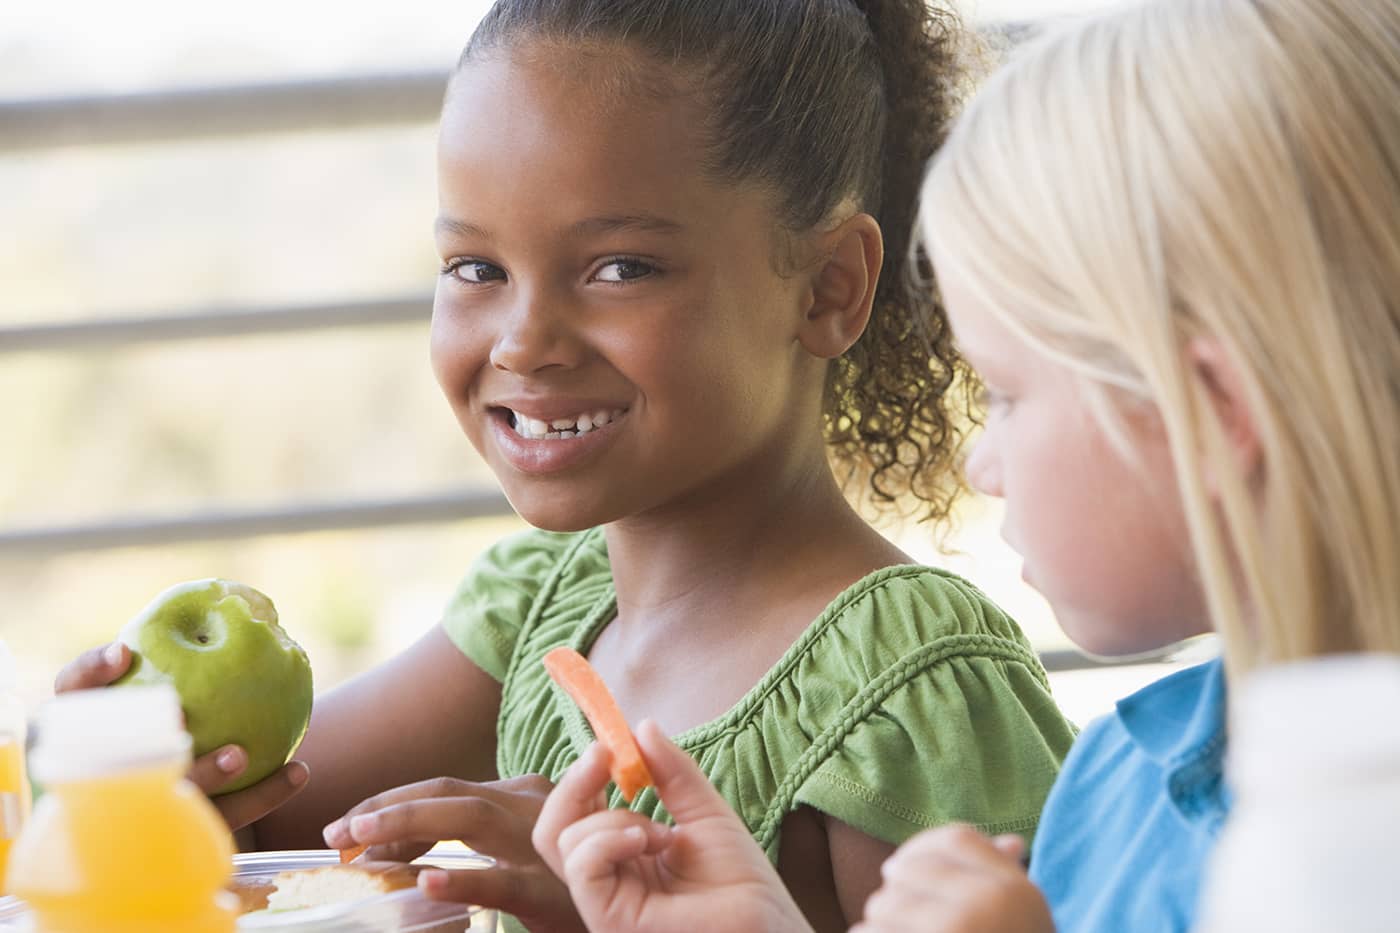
(531, 618)
(545, 595)
(892, 807)
(864, 703)
(918, 817)
(502, 643)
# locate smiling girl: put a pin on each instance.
(672, 318)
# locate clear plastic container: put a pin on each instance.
(406, 911)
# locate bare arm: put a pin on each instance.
(429, 712)
(829, 867)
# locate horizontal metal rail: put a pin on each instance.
(207, 112)
(240, 110)
(116, 330)
(1068, 659)
(237, 524)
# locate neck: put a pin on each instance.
(705, 555)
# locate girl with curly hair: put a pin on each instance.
(673, 317)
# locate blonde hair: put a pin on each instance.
(1227, 169)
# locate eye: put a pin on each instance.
(623, 269)
(473, 271)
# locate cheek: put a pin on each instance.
(453, 348)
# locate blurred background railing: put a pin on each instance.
(280, 425)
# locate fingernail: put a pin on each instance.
(434, 879)
(229, 759)
(364, 824)
(298, 776)
(112, 654)
(333, 832)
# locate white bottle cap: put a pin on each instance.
(89, 733)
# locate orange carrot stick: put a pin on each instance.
(571, 671)
(352, 853)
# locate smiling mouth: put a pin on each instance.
(561, 428)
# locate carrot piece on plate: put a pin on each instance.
(352, 853)
(571, 671)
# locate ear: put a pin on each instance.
(1220, 376)
(843, 287)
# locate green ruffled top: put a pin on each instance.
(910, 702)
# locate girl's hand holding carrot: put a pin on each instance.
(628, 873)
(492, 818)
(955, 880)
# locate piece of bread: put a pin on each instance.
(252, 893)
(338, 884)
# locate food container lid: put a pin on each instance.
(405, 911)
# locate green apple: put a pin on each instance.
(242, 680)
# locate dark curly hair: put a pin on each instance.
(821, 101)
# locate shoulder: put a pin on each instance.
(514, 582)
(528, 562)
(919, 616)
(913, 701)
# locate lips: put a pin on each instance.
(540, 440)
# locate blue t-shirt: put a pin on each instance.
(1134, 813)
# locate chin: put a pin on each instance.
(1106, 643)
(550, 514)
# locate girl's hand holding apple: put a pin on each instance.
(245, 688)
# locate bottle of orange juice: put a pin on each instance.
(14, 788)
(120, 842)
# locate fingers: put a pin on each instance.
(526, 894)
(403, 851)
(214, 770)
(1012, 846)
(955, 879)
(593, 847)
(682, 786)
(480, 823)
(253, 803)
(578, 794)
(338, 834)
(96, 667)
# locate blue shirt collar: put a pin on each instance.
(1171, 719)
(1179, 723)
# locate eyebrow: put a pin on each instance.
(626, 223)
(608, 223)
(459, 228)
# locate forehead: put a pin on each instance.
(574, 121)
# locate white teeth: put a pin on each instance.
(560, 428)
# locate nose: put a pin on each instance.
(983, 470)
(535, 334)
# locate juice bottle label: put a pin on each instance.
(11, 815)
